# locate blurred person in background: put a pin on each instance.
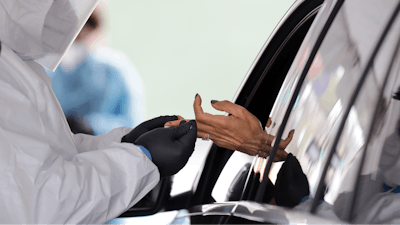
(97, 87)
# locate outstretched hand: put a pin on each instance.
(240, 131)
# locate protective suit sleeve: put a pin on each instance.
(85, 142)
(110, 180)
(44, 178)
(92, 187)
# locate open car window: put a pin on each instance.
(281, 103)
(264, 80)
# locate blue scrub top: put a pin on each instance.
(104, 89)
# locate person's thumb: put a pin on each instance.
(186, 132)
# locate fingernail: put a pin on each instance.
(196, 95)
(213, 101)
(182, 122)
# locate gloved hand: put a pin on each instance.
(291, 183)
(170, 148)
(146, 126)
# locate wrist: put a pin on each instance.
(255, 146)
(145, 151)
(282, 156)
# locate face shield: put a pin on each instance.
(43, 30)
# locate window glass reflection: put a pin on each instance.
(325, 94)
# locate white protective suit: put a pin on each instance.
(49, 175)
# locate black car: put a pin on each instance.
(329, 70)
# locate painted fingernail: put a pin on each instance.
(196, 95)
(182, 122)
(213, 101)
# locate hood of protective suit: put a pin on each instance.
(42, 30)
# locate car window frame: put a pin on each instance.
(310, 57)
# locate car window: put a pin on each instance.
(265, 80)
(253, 185)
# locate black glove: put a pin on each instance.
(170, 148)
(146, 126)
(291, 183)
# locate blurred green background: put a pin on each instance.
(183, 47)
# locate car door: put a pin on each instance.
(329, 100)
(327, 97)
